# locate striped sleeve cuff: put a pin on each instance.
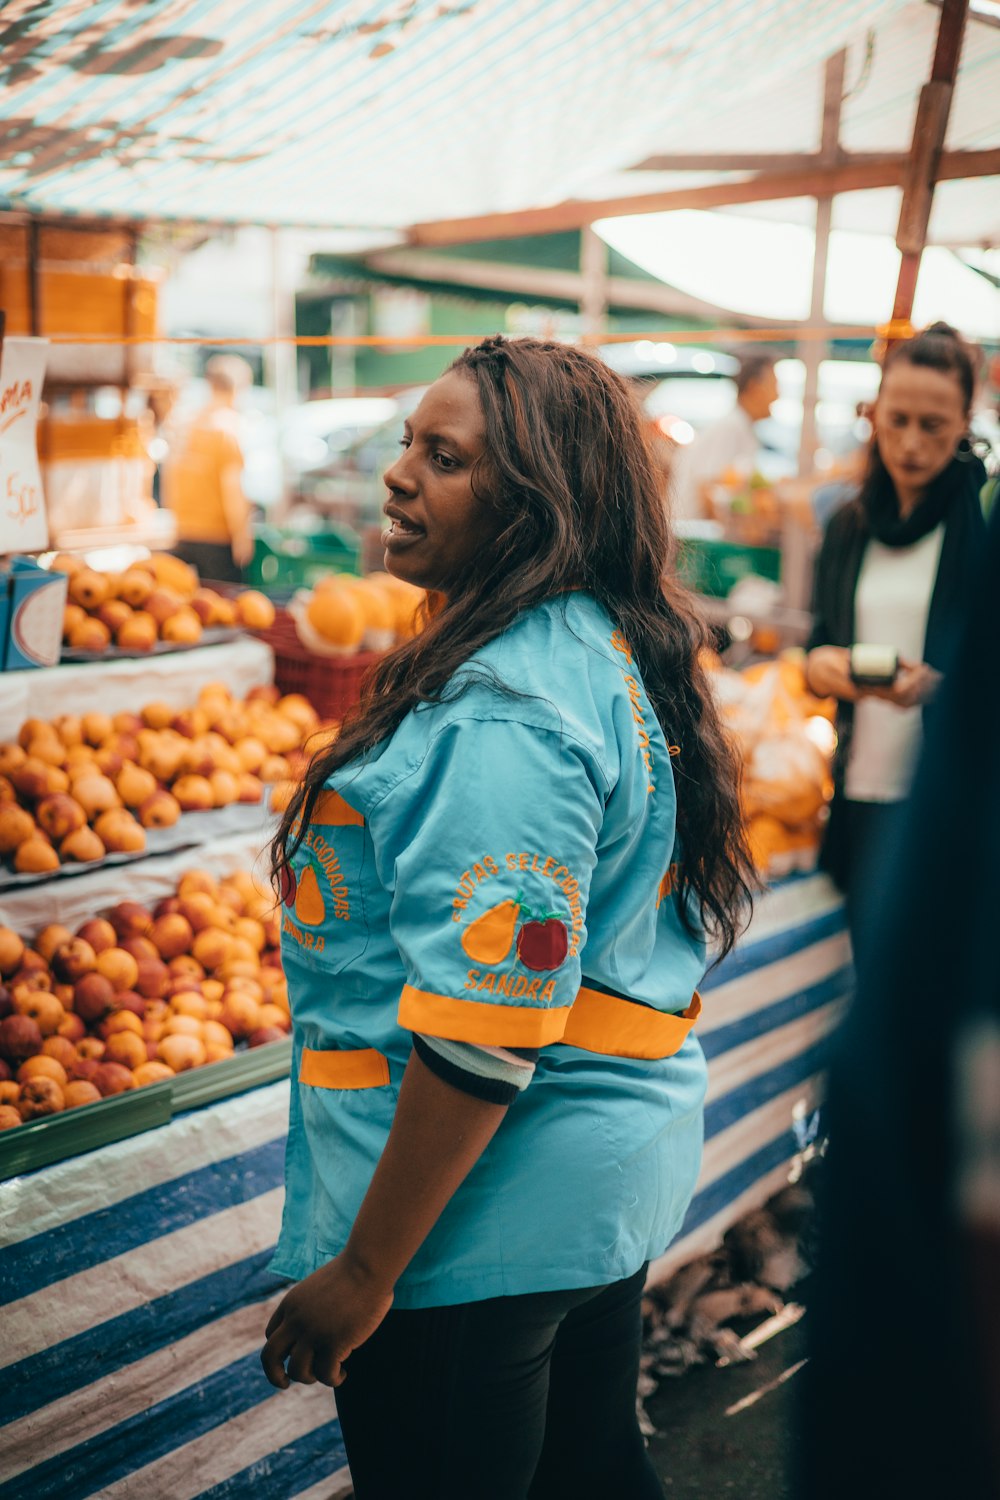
(496, 1074)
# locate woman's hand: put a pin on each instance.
(828, 674)
(316, 1326)
(242, 548)
(437, 1136)
(915, 683)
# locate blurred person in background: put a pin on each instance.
(901, 1396)
(157, 429)
(729, 445)
(894, 572)
(202, 479)
(827, 498)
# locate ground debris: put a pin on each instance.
(687, 1319)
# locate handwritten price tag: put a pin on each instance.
(23, 524)
(23, 500)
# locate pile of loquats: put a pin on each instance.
(80, 787)
(156, 599)
(138, 996)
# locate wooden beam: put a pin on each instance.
(753, 161)
(531, 281)
(768, 187)
(927, 158)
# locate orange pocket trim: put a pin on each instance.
(476, 1021)
(622, 1028)
(331, 811)
(364, 1069)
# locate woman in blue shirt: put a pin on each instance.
(498, 884)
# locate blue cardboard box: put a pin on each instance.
(32, 606)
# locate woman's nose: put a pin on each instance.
(397, 475)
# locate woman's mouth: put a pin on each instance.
(401, 532)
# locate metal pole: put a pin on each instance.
(812, 352)
(594, 275)
(282, 372)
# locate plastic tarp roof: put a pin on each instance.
(885, 70)
(388, 112)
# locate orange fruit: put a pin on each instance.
(336, 615)
(406, 600)
(171, 573)
(183, 628)
(42, 1066)
(378, 606)
(254, 610)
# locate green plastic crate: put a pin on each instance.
(285, 560)
(714, 567)
(74, 1131)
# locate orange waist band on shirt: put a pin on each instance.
(334, 1069)
(595, 1022)
(623, 1028)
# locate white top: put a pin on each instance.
(730, 443)
(891, 606)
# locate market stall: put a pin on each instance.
(147, 1132)
(136, 1277)
(137, 1230)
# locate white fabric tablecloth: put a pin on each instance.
(123, 684)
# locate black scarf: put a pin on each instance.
(953, 498)
(881, 507)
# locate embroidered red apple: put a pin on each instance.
(288, 885)
(543, 943)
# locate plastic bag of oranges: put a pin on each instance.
(342, 614)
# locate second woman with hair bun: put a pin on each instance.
(892, 580)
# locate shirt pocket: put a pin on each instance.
(330, 890)
(347, 1102)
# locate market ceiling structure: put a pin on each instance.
(398, 113)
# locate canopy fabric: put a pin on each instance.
(771, 275)
(388, 112)
(885, 69)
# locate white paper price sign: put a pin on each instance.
(23, 524)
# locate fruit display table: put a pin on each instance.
(121, 683)
(135, 1277)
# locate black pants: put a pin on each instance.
(517, 1398)
(868, 830)
(214, 561)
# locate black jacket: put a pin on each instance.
(897, 1399)
(835, 586)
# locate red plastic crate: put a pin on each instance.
(331, 683)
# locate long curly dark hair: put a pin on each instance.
(567, 469)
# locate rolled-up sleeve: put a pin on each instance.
(488, 847)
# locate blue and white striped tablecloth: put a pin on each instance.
(135, 1282)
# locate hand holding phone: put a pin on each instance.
(873, 666)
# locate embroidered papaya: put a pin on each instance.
(309, 906)
(488, 939)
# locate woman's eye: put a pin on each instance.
(404, 442)
(444, 461)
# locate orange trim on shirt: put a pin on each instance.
(623, 1028)
(476, 1021)
(331, 811)
(334, 1069)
